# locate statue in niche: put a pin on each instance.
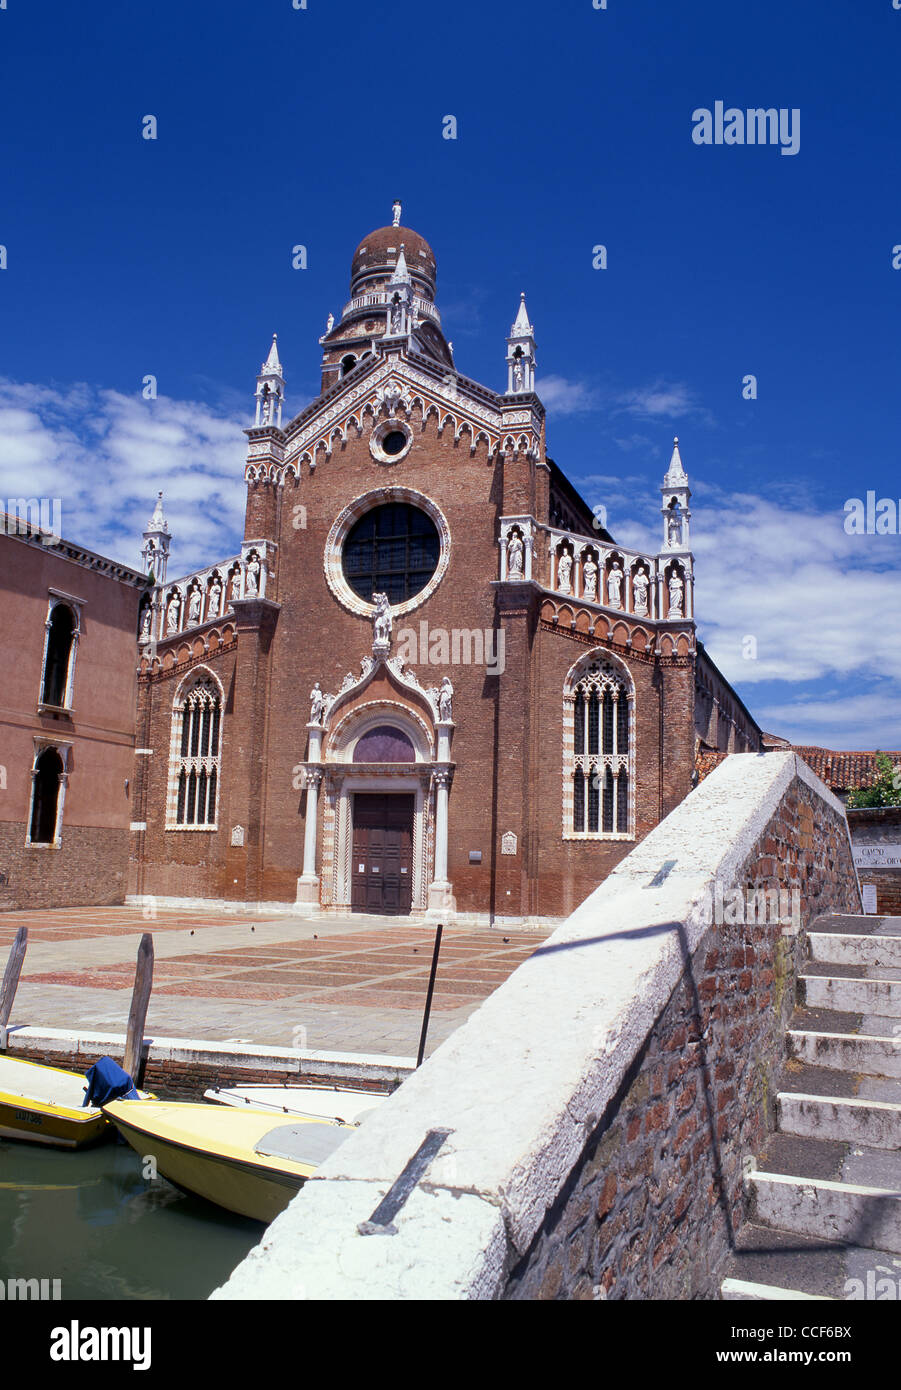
(145, 624)
(252, 582)
(676, 595)
(515, 555)
(172, 613)
(640, 592)
(445, 699)
(589, 579)
(317, 704)
(564, 573)
(518, 377)
(397, 316)
(615, 586)
(215, 598)
(194, 604)
(674, 527)
(381, 621)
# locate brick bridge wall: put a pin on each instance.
(602, 1101)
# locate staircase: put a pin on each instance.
(824, 1198)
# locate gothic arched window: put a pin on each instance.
(196, 762)
(46, 782)
(597, 786)
(58, 656)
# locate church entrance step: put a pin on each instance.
(859, 1121)
(847, 1052)
(868, 1216)
(852, 994)
(843, 948)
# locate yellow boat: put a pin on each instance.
(238, 1159)
(44, 1105)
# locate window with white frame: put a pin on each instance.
(196, 743)
(49, 777)
(60, 646)
(598, 784)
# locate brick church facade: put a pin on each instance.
(430, 682)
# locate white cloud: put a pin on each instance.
(660, 400)
(106, 455)
(562, 397)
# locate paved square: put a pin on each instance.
(352, 984)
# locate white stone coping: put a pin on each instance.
(207, 1053)
(524, 1081)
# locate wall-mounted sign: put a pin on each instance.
(883, 856)
(868, 897)
(238, 835)
(508, 842)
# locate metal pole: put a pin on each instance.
(428, 998)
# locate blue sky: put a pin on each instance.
(279, 126)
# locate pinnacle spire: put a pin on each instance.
(522, 328)
(272, 364)
(675, 474)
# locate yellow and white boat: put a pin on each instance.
(242, 1160)
(44, 1105)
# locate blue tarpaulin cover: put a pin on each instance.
(107, 1081)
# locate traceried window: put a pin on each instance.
(197, 737)
(600, 714)
(392, 549)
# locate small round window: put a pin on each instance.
(393, 550)
(394, 442)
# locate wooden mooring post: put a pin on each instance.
(140, 998)
(11, 981)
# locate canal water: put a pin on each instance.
(89, 1219)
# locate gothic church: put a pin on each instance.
(430, 683)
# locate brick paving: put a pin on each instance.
(350, 985)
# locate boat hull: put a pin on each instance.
(240, 1182)
(41, 1105)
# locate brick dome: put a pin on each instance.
(377, 253)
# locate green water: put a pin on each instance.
(90, 1219)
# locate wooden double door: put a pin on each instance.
(382, 868)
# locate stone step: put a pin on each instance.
(843, 948)
(735, 1289)
(860, 1121)
(851, 994)
(837, 1211)
(839, 922)
(808, 1267)
(849, 1052)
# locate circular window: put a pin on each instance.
(390, 441)
(394, 441)
(392, 540)
(392, 550)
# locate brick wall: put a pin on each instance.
(650, 1210)
(89, 867)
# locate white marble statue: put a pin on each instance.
(317, 704)
(215, 599)
(145, 624)
(564, 573)
(674, 528)
(676, 595)
(252, 582)
(396, 212)
(445, 699)
(640, 592)
(330, 323)
(515, 554)
(517, 376)
(172, 613)
(615, 586)
(381, 621)
(590, 579)
(194, 606)
(397, 317)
